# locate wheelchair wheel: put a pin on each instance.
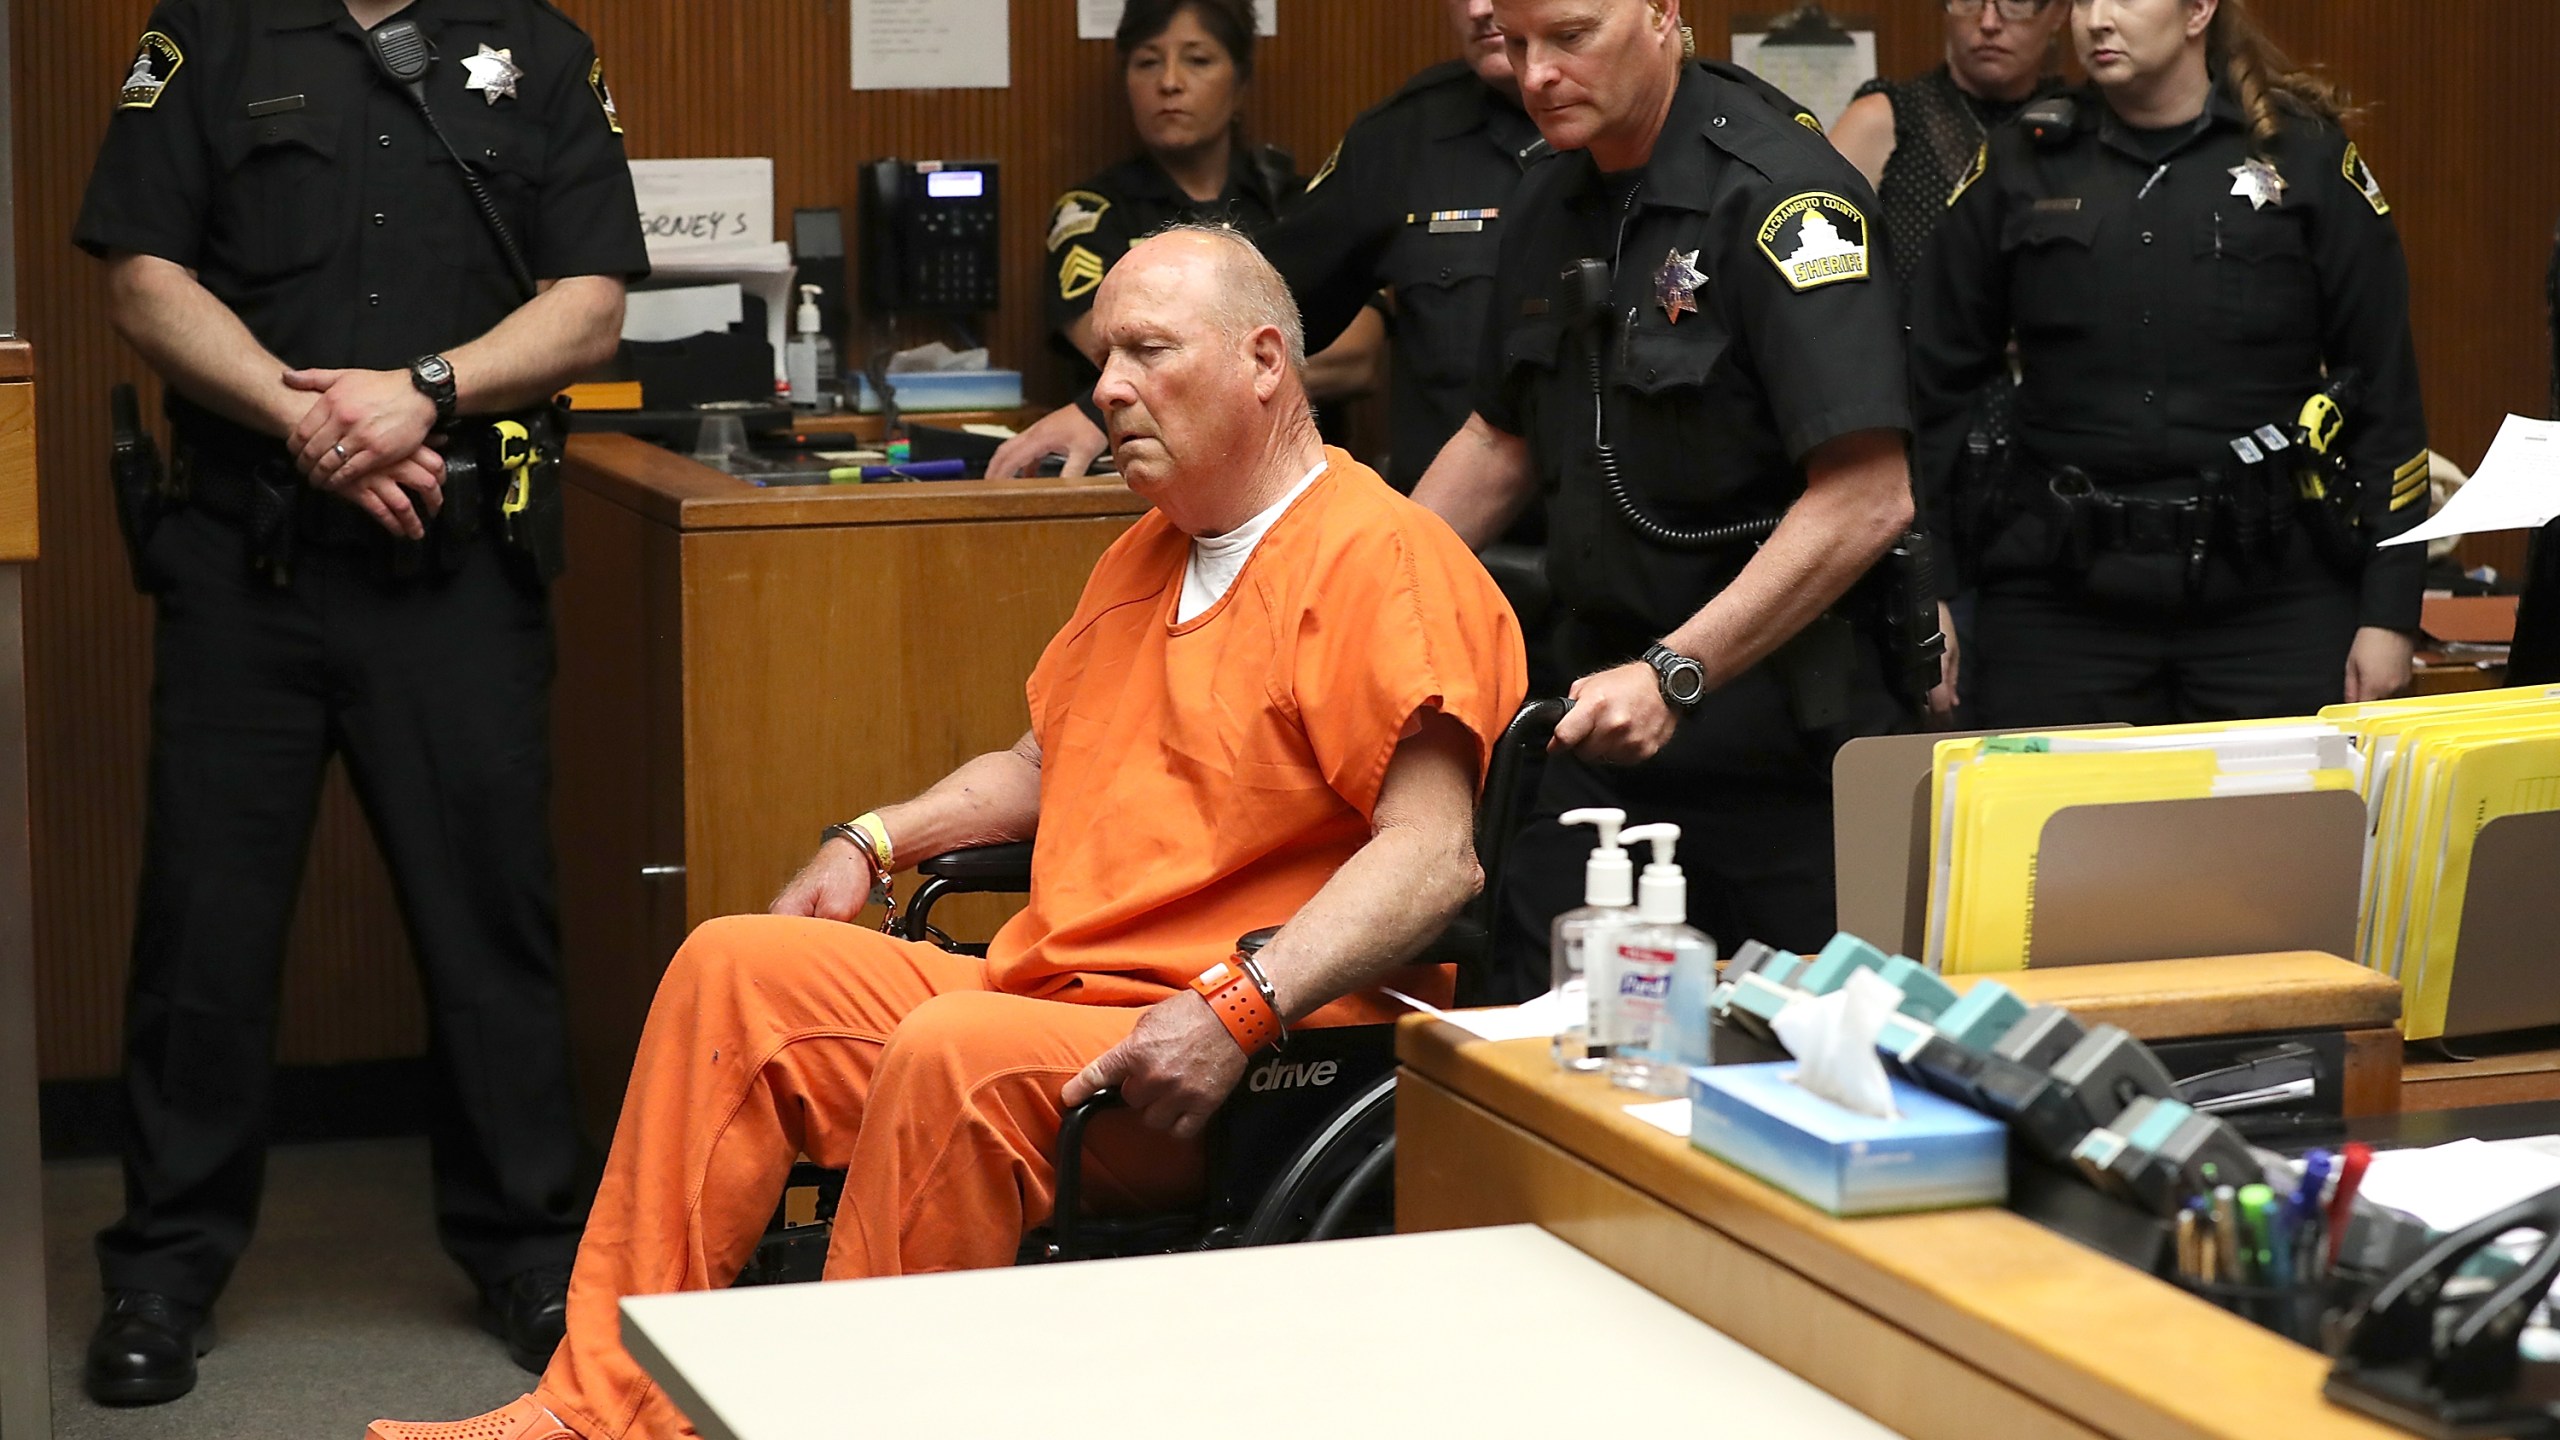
(1337, 1183)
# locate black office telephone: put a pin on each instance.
(929, 237)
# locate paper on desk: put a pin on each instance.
(1668, 1115)
(1100, 19)
(1539, 1019)
(759, 268)
(2517, 486)
(2450, 1186)
(932, 45)
(658, 315)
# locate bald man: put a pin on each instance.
(1275, 701)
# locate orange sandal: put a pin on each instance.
(523, 1419)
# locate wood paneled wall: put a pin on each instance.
(2456, 128)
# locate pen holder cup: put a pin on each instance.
(2299, 1313)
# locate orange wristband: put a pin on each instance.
(1243, 1003)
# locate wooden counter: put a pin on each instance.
(1961, 1324)
(740, 667)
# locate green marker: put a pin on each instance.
(2257, 1202)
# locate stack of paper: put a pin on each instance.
(709, 228)
(2437, 771)
(1991, 799)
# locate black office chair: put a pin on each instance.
(1300, 1151)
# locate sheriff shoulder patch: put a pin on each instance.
(2360, 175)
(1326, 171)
(604, 95)
(155, 63)
(1079, 274)
(1815, 239)
(1077, 213)
(1973, 172)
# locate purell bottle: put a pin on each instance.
(1581, 935)
(1656, 962)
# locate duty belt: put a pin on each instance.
(2099, 522)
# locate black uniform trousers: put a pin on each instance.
(436, 691)
(2044, 654)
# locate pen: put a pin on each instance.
(2342, 1204)
(2257, 1220)
(2226, 1232)
(2190, 1259)
(910, 470)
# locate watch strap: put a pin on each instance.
(1663, 660)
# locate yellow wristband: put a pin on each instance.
(869, 826)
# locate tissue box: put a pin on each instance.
(1938, 1156)
(944, 390)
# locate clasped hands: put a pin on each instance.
(364, 440)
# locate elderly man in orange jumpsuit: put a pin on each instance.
(1276, 698)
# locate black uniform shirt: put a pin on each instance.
(257, 145)
(2159, 314)
(1092, 226)
(1793, 341)
(1413, 202)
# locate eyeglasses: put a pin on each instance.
(2009, 9)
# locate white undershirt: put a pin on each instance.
(1216, 560)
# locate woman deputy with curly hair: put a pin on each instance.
(2218, 413)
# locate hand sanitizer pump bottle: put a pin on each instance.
(800, 355)
(1663, 971)
(1581, 936)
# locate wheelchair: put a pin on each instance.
(1305, 1147)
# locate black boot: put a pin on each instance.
(144, 1350)
(530, 1311)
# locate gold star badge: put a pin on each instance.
(2258, 182)
(1675, 285)
(494, 74)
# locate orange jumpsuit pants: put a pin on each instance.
(771, 1037)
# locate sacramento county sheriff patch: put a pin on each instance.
(1815, 239)
(155, 63)
(2360, 175)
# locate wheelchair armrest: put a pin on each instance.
(1066, 1213)
(982, 863)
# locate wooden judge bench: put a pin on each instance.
(741, 667)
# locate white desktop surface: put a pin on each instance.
(1475, 1333)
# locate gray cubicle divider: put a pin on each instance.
(2506, 973)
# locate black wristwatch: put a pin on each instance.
(433, 375)
(1683, 681)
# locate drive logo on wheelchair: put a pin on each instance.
(1278, 1074)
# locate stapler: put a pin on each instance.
(2442, 1360)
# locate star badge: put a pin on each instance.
(2258, 181)
(1675, 285)
(494, 73)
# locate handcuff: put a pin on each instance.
(866, 833)
(1243, 1000)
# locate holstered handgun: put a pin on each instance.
(144, 493)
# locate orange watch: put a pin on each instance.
(1244, 1002)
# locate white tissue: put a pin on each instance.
(935, 357)
(1833, 1038)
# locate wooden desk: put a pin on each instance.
(1961, 1324)
(740, 667)
(2218, 996)
(24, 1400)
(1492, 1333)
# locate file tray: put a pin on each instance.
(2222, 875)
(2507, 958)
(1880, 833)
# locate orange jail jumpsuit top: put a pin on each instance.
(1198, 780)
